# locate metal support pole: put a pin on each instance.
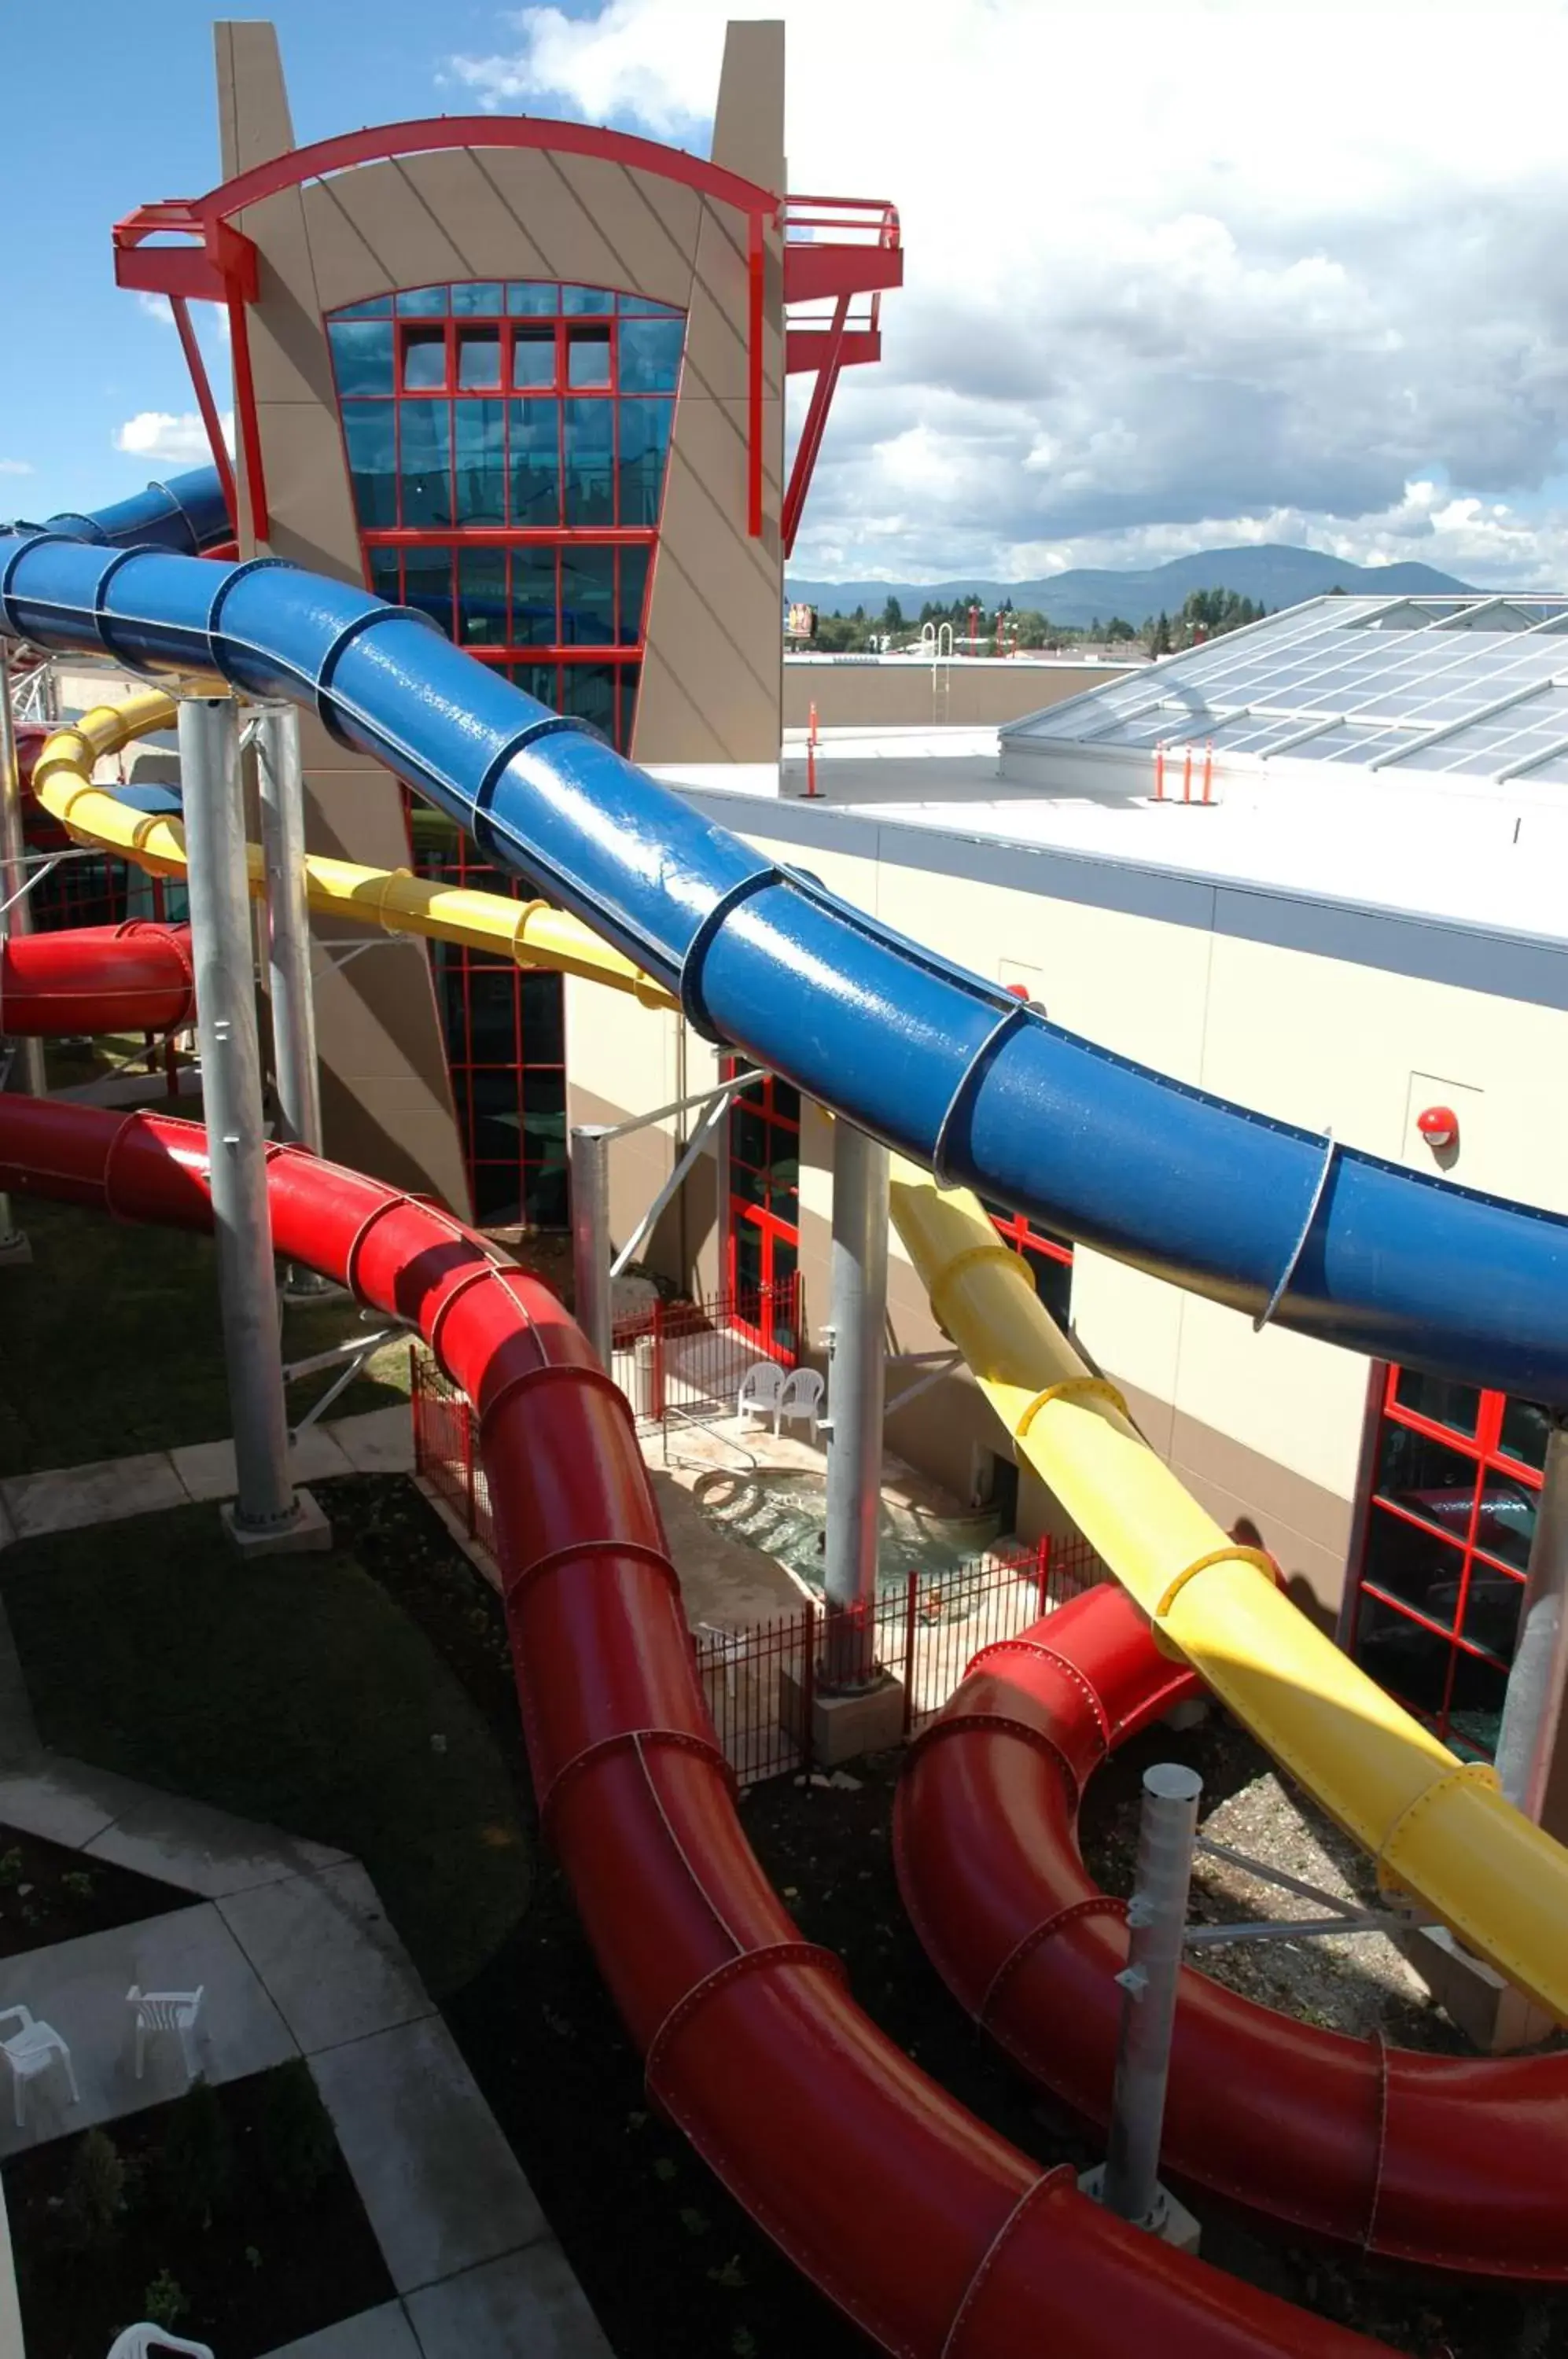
(857, 1378)
(1533, 1706)
(282, 796)
(1157, 1924)
(591, 1246)
(29, 1058)
(231, 1091)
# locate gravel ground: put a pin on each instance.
(1353, 1982)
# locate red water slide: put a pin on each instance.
(1456, 2163)
(938, 2238)
(135, 977)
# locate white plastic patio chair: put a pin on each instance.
(31, 2050)
(143, 2341)
(761, 1388)
(175, 2011)
(801, 1401)
(732, 1645)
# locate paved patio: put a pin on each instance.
(67, 1498)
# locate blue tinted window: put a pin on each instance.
(650, 355)
(427, 576)
(587, 298)
(533, 357)
(379, 306)
(588, 690)
(526, 295)
(479, 360)
(427, 462)
(423, 303)
(533, 597)
(589, 433)
(424, 360)
(645, 441)
(536, 462)
(534, 679)
(588, 356)
(485, 297)
(362, 355)
(646, 306)
(384, 578)
(630, 674)
(481, 463)
(481, 597)
(370, 429)
(587, 596)
(634, 583)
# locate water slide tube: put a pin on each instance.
(940, 2240)
(981, 1087)
(135, 977)
(1454, 2164)
(530, 933)
(1437, 1830)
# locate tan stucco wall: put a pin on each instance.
(922, 696)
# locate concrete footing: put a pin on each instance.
(1170, 2220)
(1474, 1995)
(862, 1720)
(307, 1532)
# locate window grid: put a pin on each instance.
(1441, 1575)
(507, 443)
(763, 1197)
(1048, 1256)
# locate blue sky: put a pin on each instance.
(1149, 307)
(145, 109)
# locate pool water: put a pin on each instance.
(783, 1511)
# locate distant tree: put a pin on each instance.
(1117, 631)
(892, 615)
(1160, 636)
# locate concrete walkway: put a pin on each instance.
(104, 1491)
(298, 1958)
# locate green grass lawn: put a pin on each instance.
(112, 1343)
(291, 1688)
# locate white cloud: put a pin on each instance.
(155, 307)
(159, 435)
(16, 467)
(1178, 277)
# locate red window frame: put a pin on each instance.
(777, 1233)
(1017, 1230)
(1459, 1541)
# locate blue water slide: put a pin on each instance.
(953, 1072)
(190, 515)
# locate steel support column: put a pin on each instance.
(591, 1246)
(231, 1091)
(1157, 1928)
(18, 919)
(857, 1308)
(282, 798)
(1533, 1707)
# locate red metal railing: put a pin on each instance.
(760, 1678)
(684, 1360)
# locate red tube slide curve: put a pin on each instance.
(1456, 2163)
(938, 2238)
(132, 978)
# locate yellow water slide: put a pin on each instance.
(1440, 1830)
(531, 932)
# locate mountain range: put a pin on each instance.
(1272, 572)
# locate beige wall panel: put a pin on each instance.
(963, 695)
(1322, 1040)
(1136, 987)
(710, 676)
(348, 265)
(620, 228)
(1288, 1399)
(307, 489)
(1130, 1326)
(254, 123)
(290, 360)
(411, 245)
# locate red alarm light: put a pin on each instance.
(1438, 1125)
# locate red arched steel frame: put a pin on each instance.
(223, 269)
